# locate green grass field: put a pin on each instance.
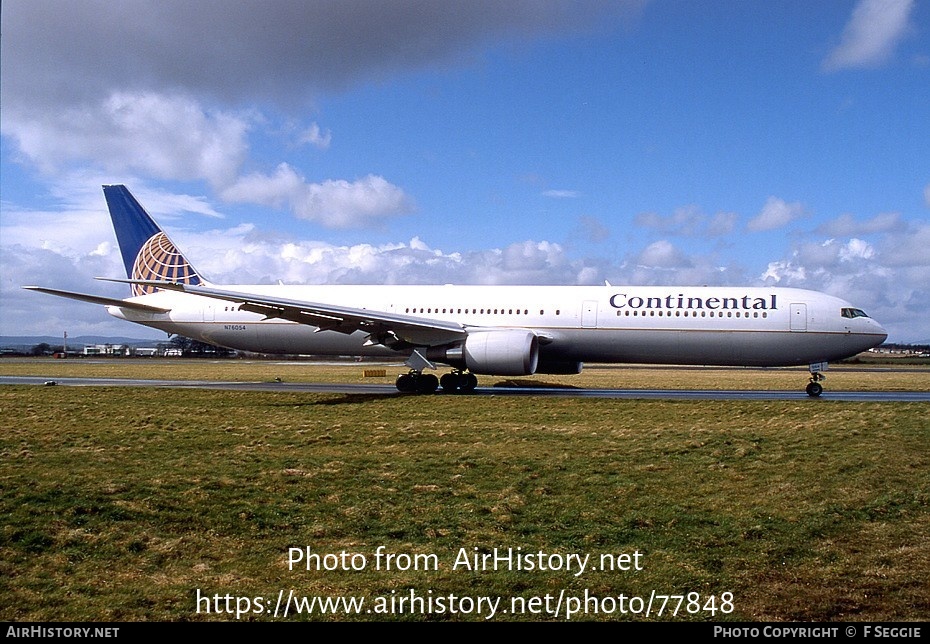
(129, 504)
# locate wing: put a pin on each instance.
(390, 329)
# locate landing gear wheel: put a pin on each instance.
(427, 383)
(450, 382)
(416, 383)
(406, 383)
(458, 382)
(814, 389)
(469, 382)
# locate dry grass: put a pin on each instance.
(839, 377)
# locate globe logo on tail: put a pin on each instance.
(159, 259)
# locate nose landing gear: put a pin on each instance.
(814, 388)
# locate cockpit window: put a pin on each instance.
(854, 313)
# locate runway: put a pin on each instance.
(566, 392)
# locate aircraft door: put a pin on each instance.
(589, 314)
(799, 317)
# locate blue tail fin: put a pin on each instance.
(147, 252)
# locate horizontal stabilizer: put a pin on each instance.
(96, 299)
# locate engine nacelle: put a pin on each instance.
(502, 353)
(510, 352)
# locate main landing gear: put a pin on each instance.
(417, 382)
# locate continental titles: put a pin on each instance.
(692, 303)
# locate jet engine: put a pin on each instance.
(510, 352)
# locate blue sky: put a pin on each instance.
(524, 142)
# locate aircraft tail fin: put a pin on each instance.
(147, 252)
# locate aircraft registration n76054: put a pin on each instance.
(474, 330)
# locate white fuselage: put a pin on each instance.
(660, 325)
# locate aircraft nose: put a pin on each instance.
(882, 334)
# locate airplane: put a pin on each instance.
(480, 330)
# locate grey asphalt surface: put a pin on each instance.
(569, 392)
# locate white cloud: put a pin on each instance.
(885, 278)
(560, 194)
(238, 255)
(532, 256)
(332, 203)
(846, 225)
(689, 221)
(836, 256)
(71, 234)
(662, 254)
(776, 213)
(169, 137)
(783, 271)
(70, 268)
(856, 249)
(871, 34)
(316, 137)
(417, 244)
(908, 248)
(174, 137)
